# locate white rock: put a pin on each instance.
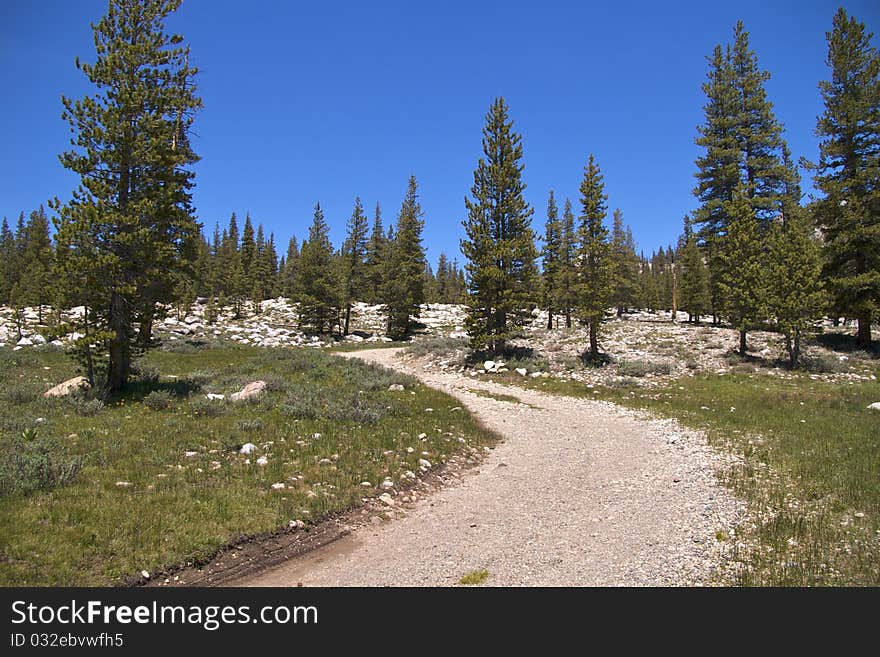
(247, 448)
(874, 407)
(489, 365)
(395, 387)
(25, 342)
(535, 375)
(262, 461)
(522, 371)
(38, 339)
(145, 574)
(366, 484)
(67, 387)
(215, 396)
(386, 499)
(278, 486)
(424, 464)
(190, 455)
(386, 485)
(123, 484)
(252, 389)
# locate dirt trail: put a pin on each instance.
(579, 493)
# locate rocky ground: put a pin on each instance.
(643, 347)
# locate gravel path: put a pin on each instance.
(579, 493)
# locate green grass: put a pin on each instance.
(474, 578)
(809, 467)
(495, 395)
(176, 509)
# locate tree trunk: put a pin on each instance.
(795, 350)
(145, 330)
(120, 349)
(864, 336)
(39, 313)
(347, 318)
(742, 343)
(594, 338)
(549, 319)
(90, 363)
(568, 318)
(620, 311)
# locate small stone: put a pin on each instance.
(190, 455)
(874, 407)
(409, 450)
(395, 387)
(324, 462)
(123, 484)
(25, 342)
(522, 371)
(535, 375)
(386, 485)
(422, 436)
(278, 486)
(73, 436)
(489, 365)
(145, 574)
(262, 461)
(366, 484)
(247, 448)
(385, 498)
(213, 396)
(424, 464)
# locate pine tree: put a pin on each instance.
(444, 282)
(316, 285)
(233, 273)
(500, 244)
(796, 295)
(247, 255)
(743, 274)
(718, 171)
(552, 258)
(625, 263)
(848, 172)
(7, 261)
(35, 263)
(131, 220)
(403, 287)
(694, 295)
(354, 267)
(261, 270)
(567, 290)
(375, 260)
(290, 266)
(595, 266)
(759, 134)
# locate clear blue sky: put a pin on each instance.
(310, 101)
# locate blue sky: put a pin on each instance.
(309, 102)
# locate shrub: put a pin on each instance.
(84, 405)
(437, 346)
(250, 425)
(158, 400)
(146, 373)
(29, 462)
(208, 407)
(201, 378)
(274, 383)
(822, 364)
(21, 393)
(639, 368)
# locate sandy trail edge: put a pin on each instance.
(579, 493)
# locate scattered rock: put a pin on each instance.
(25, 342)
(489, 365)
(123, 484)
(522, 371)
(215, 396)
(385, 498)
(278, 486)
(395, 387)
(874, 407)
(247, 448)
(262, 461)
(65, 388)
(424, 464)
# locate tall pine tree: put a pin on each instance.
(316, 285)
(848, 172)
(552, 258)
(354, 267)
(500, 243)
(130, 223)
(595, 265)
